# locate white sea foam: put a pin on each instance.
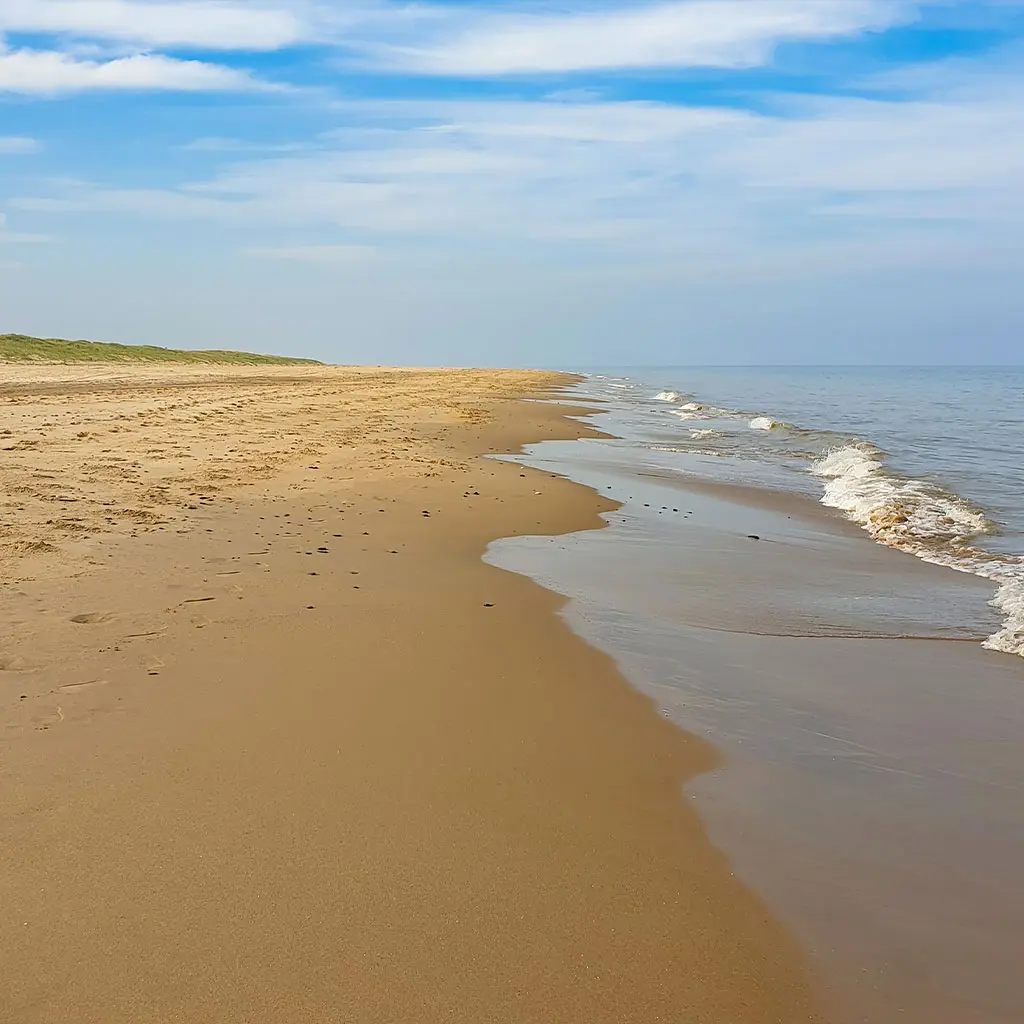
(705, 433)
(927, 521)
(767, 423)
(693, 411)
(1009, 600)
(895, 510)
(686, 409)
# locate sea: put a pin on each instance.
(821, 572)
(926, 460)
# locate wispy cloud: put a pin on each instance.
(685, 33)
(479, 40)
(205, 24)
(614, 178)
(51, 73)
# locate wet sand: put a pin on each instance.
(278, 745)
(873, 781)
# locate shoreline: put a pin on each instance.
(870, 781)
(248, 786)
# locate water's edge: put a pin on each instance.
(772, 649)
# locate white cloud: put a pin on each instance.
(49, 73)
(442, 38)
(683, 33)
(925, 147)
(124, 43)
(620, 180)
(18, 145)
(207, 24)
(611, 122)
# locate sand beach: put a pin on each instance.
(278, 745)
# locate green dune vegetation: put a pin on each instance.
(19, 348)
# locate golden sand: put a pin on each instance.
(278, 745)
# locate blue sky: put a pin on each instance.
(555, 182)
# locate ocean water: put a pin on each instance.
(779, 579)
(926, 460)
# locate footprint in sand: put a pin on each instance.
(90, 618)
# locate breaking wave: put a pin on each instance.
(767, 423)
(688, 409)
(926, 520)
(693, 411)
(894, 509)
(912, 515)
(1010, 601)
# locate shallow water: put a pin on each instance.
(872, 787)
(927, 460)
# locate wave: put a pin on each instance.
(688, 409)
(697, 411)
(685, 402)
(926, 520)
(916, 516)
(1009, 600)
(767, 423)
(893, 509)
(692, 411)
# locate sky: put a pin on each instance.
(518, 182)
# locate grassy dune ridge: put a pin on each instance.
(19, 348)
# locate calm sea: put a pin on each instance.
(872, 781)
(927, 460)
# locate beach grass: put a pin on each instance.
(19, 348)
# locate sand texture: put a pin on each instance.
(278, 746)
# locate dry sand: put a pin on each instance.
(278, 746)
